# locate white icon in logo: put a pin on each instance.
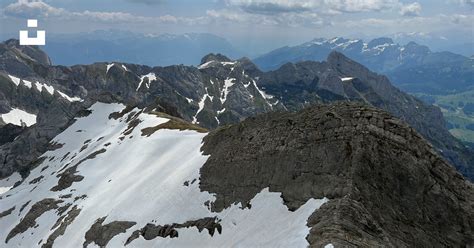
(39, 40)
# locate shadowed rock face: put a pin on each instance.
(387, 185)
(102, 234)
(151, 231)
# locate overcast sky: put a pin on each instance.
(272, 22)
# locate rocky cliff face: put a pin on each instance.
(341, 79)
(218, 92)
(387, 187)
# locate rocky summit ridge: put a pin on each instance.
(387, 186)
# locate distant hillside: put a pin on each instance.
(412, 67)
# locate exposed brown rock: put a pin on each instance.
(102, 234)
(63, 223)
(173, 123)
(151, 231)
(68, 177)
(7, 212)
(387, 185)
(29, 220)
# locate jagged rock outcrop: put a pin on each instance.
(387, 186)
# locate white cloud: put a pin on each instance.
(433, 24)
(360, 5)
(321, 6)
(40, 9)
(276, 15)
(274, 6)
(33, 8)
(412, 9)
(147, 2)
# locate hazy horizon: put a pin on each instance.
(253, 26)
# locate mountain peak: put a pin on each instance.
(380, 41)
(12, 42)
(26, 52)
(336, 57)
(249, 66)
(215, 57)
(415, 47)
(337, 40)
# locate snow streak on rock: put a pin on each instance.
(150, 76)
(40, 86)
(229, 82)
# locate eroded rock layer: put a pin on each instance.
(387, 185)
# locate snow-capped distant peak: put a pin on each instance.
(335, 40)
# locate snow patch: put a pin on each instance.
(151, 77)
(142, 179)
(28, 84)
(229, 82)
(71, 99)
(268, 223)
(124, 67)
(40, 86)
(201, 105)
(108, 67)
(220, 111)
(262, 93)
(7, 183)
(19, 117)
(344, 79)
(206, 65)
(15, 80)
(228, 63)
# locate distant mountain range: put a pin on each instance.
(146, 49)
(218, 92)
(437, 42)
(412, 67)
